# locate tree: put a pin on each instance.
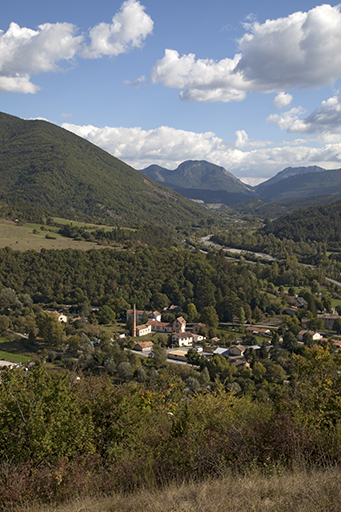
(308, 339)
(337, 325)
(50, 329)
(125, 371)
(275, 338)
(159, 355)
(210, 317)
(106, 315)
(250, 355)
(74, 345)
(241, 316)
(204, 377)
(141, 375)
(275, 373)
(192, 312)
(4, 323)
(219, 366)
(193, 384)
(258, 371)
(257, 314)
(263, 351)
(289, 341)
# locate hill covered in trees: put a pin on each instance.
(48, 168)
(289, 185)
(318, 223)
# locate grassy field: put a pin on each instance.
(22, 238)
(14, 350)
(296, 491)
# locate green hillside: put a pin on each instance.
(279, 208)
(45, 166)
(300, 185)
(318, 223)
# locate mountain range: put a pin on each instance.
(213, 184)
(47, 167)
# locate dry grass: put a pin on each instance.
(298, 491)
(22, 238)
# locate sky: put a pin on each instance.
(253, 86)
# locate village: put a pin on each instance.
(186, 336)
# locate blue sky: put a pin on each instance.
(252, 86)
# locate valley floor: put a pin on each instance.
(296, 491)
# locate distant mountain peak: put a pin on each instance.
(199, 179)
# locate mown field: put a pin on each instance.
(22, 238)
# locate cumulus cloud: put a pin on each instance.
(202, 79)
(25, 52)
(325, 119)
(287, 119)
(169, 147)
(128, 29)
(302, 50)
(282, 99)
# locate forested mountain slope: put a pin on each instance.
(46, 166)
(307, 182)
(319, 223)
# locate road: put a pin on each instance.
(206, 240)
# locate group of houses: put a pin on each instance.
(181, 335)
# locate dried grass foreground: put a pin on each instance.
(295, 491)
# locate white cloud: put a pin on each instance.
(169, 147)
(302, 50)
(128, 29)
(136, 83)
(326, 119)
(282, 99)
(287, 119)
(203, 80)
(25, 52)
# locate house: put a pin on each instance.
(179, 324)
(256, 348)
(178, 355)
(152, 315)
(259, 332)
(160, 326)
(61, 317)
(221, 351)
(143, 330)
(291, 311)
(337, 344)
(7, 364)
(301, 303)
(305, 322)
(328, 320)
(315, 335)
(197, 327)
(240, 363)
(185, 339)
(237, 350)
(144, 346)
(197, 337)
